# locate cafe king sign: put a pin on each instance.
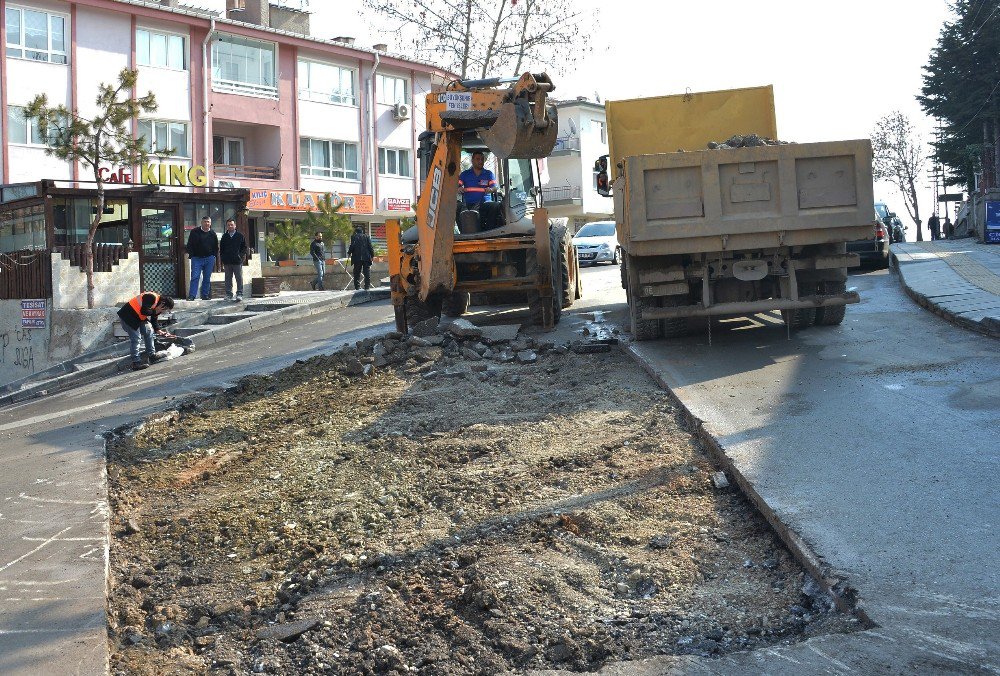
(161, 173)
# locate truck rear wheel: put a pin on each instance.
(642, 329)
(678, 326)
(831, 315)
(802, 318)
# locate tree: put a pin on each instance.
(327, 219)
(477, 39)
(961, 88)
(899, 158)
(105, 139)
(288, 240)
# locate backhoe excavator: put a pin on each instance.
(501, 250)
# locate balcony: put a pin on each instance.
(566, 145)
(561, 195)
(239, 171)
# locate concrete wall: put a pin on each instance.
(69, 284)
(23, 352)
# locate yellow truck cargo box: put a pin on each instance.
(666, 124)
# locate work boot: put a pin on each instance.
(138, 366)
(153, 358)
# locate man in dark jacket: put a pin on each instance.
(203, 248)
(934, 225)
(318, 252)
(138, 318)
(232, 248)
(361, 253)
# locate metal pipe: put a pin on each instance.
(205, 70)
(370, 132)
(753, 307)
(487, 82)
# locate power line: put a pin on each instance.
(985, 101)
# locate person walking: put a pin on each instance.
(949, 228)
(138, 317)
(361, 252)
(233, 248)
(934, 225)
(203, 248)
(318, 252)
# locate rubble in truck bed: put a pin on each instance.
(745, 141)
(457, 501)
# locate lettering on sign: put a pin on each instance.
(432, 207)
(397, 204)
(457, 100)
(33, 314)
(174, 174)
(120, 176)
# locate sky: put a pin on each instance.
(836, 67)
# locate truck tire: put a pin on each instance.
(831, 315)
(678, 326)
(535, 299)
(456, 304)
(642, 329)
(799, 319)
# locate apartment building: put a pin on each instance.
(571, 190)
(247, 100)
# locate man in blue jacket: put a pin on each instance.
(233, 248)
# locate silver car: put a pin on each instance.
(596, 243)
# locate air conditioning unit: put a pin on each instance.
(225, 183)
(401, 112)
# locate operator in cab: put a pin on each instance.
(477, 183)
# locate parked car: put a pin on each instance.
(597, 243)
(874, 249)
(894, 226)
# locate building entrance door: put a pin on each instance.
(159, 264)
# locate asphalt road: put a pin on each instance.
(53, 510)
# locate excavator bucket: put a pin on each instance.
(518, 134)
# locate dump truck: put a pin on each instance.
(501, 248)
(710, 227)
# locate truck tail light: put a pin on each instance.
(879, 232)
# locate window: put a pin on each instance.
(72, 218)
(602, 130)
(35, 35)
(22, 228)
(391, 90)
(160, 135)
(24, 131)
(161, 50)
(227, 150)
(394, 162)
(335, 159)
(243, 66)
(325, 83)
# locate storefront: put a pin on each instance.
(145, 224)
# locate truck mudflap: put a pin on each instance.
(753, 307)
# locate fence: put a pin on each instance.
(106, 256)
(561, 192)
(25, 274)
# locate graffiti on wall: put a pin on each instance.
(17, 353)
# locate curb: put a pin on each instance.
(989, 326)
(204, 339)
(832, 581)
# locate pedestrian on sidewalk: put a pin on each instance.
(233, 249)
(934, 225)
(138, 317)
(949, 228)
(362, 253)
(203, 248)
(318, 252)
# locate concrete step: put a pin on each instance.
(229, 318)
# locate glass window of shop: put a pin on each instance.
(22, 228)
(219, 212)
(72, 218)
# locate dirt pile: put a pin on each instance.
(465, 501)
(745, 141)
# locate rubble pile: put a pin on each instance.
(458, 500)
(744, 141)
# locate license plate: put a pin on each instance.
(588, 256)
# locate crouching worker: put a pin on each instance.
(139, 317)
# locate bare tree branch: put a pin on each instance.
(898, 157)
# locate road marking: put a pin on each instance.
(837, 663)
(24, 556)
(52, 416)
(56, 501)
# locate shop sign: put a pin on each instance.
(33, 314)
(304, 200)
(397, 203)
(174, 174)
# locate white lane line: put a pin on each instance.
(24, 556)
(37, 583)
(34, 420)
(64, 539)
(55, 501)
(843, 668)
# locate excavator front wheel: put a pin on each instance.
(417, 310)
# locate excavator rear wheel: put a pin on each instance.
(455, 304)
(556, 248)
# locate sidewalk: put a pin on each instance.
(204, 322)
(956, 279)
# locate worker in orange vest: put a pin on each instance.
(138, 318)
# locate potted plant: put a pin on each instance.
(287, 241)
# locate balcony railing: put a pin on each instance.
(243, 171)
(556, 193)
(244, 88)
(567, 143)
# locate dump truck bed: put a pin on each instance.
(745, 198)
